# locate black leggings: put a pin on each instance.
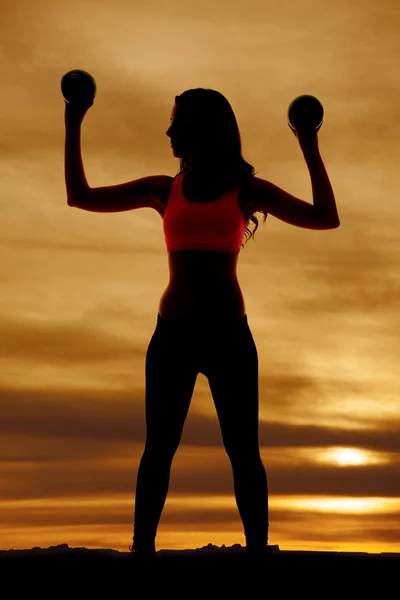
(226, 354)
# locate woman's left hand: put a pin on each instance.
(307, 139)
(75, 111)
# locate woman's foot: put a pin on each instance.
(145, 552)
(257, 547)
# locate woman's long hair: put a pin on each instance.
(216, 132)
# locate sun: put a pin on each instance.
(345, 457)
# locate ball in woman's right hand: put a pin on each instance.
(78, 87)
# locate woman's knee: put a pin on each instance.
(243, 457)
(159, 452)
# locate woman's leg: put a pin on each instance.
(170, 381)
(232, 371)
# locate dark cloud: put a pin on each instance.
(48, 516)
(287, 393)
(72, 416)
(336, 528)
(67, 343)
(311, 526)
(119, 417)
(371, 480)
(310, 479)
(384, 438)
(68, 445)
(203, 474)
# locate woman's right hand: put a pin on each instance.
(308, 139)
(75, 111)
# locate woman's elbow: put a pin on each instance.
(76, 199)
(71, 202)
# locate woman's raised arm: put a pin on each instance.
(322, 214)
(139, 193)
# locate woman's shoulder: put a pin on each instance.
(248, 194)
(160, 186)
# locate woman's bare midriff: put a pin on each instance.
(203, 286)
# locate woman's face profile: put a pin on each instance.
(174, 132)
(180, 133)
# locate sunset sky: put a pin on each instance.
(80, 290)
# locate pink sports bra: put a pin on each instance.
(218, 225)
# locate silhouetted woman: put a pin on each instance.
(202, 323)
